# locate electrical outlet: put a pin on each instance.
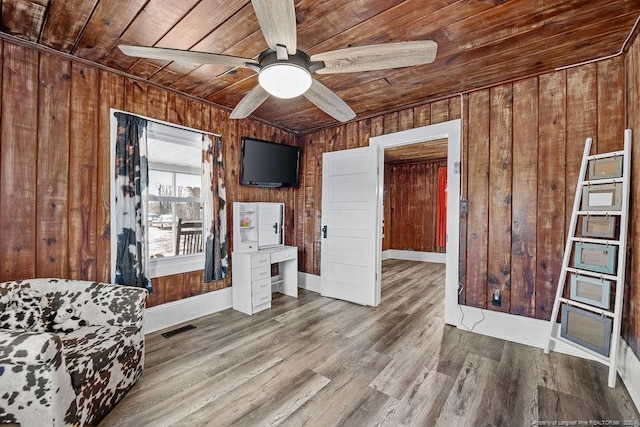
(496, 301)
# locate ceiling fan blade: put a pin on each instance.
(249, 103)
(325, 99)
(185, 56)
(377, 57)
(277, 19)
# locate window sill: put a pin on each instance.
(175, 265)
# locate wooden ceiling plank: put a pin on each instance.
(503, 70)
(227, 79)
(521, 46)
(508, 15)
(366, 31)
(229, 96)
(480, 77)
(448, 54)
(555, 59)
(201, 20)
(317, 26)
(145, 68)
(23, 18)
(64, 23)
(403, 12)
(200, 77)
(291, 116)
(109, 20)
(427, 70)
(550, 21)
(429, 26)
(420, 152)
(223, 39)
(391, 14)
(152, 23)
(351, 79)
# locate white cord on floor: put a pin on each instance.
(462, 318)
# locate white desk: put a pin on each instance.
(252, 283)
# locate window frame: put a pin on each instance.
(177, 264)
(159, 267)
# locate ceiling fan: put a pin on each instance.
(285, 72)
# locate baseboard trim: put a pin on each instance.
(629, 371)
(310, 282)
(519, 329)
(176, 312)
(534, 333)
(436, 257)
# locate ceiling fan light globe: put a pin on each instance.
(284, 80)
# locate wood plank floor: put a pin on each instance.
(322, 362)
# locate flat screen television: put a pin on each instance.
(267, 164)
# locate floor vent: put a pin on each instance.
(177, 331)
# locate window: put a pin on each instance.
(167, 183)
(174, 203)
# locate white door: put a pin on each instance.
(350, 228)
(269, 225)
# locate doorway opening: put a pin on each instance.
(414, 202)
(449, 131)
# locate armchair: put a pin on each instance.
(53, 375)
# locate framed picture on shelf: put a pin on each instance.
(590, 290)
(610, 167)
(599, 226)
(595, 257)
(602, 197)
(586, 328)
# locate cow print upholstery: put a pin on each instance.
(49, 377)
(22, 310)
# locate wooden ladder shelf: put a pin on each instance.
(589, 320)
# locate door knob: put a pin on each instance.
(324, 231)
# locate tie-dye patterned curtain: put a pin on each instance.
(216, 263)
(131, 176)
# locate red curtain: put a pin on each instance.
(441, 209)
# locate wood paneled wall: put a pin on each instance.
(350, 135)
(522, 148)
(411, 194)
(631, 311)
(522, 144)
(55, 166)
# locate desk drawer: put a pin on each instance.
(261, 307)
(261, 297)
(260, 260)
(261, 285)
(260, 273)
(284, 255)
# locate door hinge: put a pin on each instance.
(456, 168)
(464, 206)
